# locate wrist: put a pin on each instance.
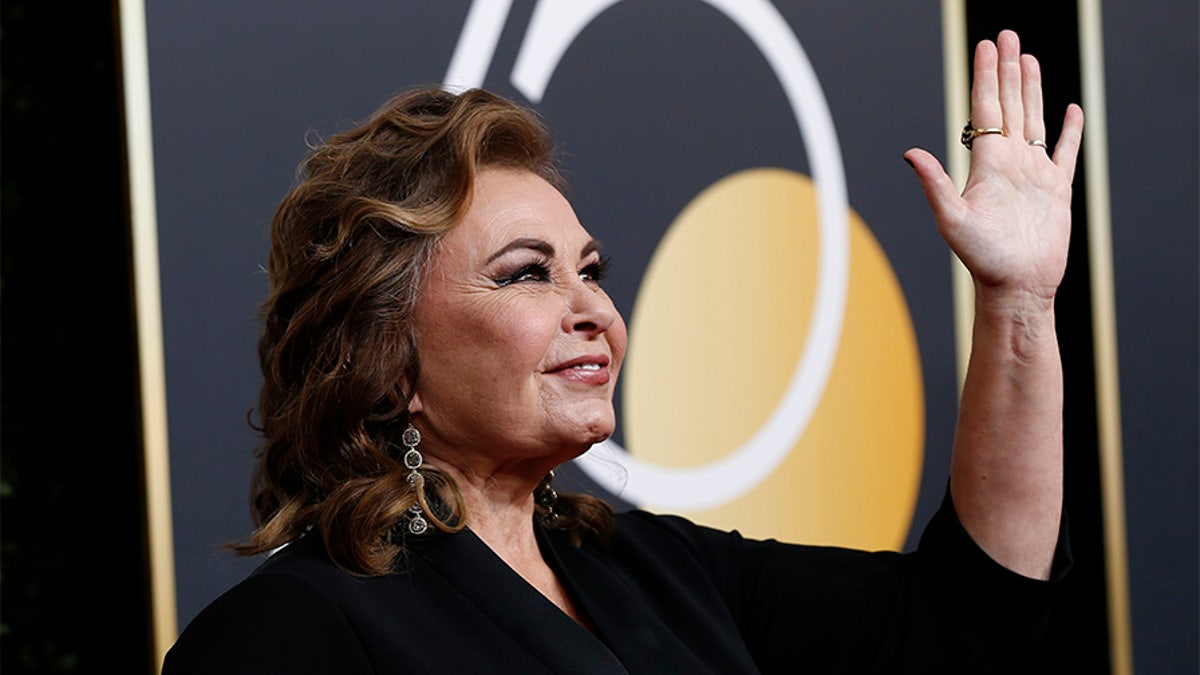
(1027, 300)
(1020, 319)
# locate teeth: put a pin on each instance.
(588, 366)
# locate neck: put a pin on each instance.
(499, 507)
(499, 510)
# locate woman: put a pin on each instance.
(437, 341)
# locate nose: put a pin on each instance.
(589, 309)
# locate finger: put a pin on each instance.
(1067, 149)
(940, 191)
(1031, 94)
(1008, 46)
(985, 88)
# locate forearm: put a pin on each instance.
(1006, 474)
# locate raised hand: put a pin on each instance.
(1011, 225)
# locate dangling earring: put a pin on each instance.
(546, 497)
(412, 461)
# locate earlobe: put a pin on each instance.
(414, 398)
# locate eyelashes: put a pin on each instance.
(539, 271)
(536, 271)
(596, 271)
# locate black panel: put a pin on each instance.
(74, 593)
(1078, 638)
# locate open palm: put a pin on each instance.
(1011, 225)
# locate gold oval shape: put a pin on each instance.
(720, 322)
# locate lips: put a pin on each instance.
(592, 369)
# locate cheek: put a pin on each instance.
(518, 336)
(618, 339)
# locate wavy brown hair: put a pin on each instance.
(350, 246)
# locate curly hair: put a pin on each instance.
(349, 248)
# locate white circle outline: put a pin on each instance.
(553, 27)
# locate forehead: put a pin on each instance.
(508, 204)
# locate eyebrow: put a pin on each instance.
(541, 246)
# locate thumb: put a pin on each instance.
(939, 189)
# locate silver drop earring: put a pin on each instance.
(412, 461)
(546, 497)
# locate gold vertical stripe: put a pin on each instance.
(955, 72)
(1104, 331)
(148, 309)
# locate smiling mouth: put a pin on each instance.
(583, 364)
(589, 371)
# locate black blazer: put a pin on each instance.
(666, 596)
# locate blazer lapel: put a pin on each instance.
(516, 607)
(633, 629)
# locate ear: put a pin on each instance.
(414, 402)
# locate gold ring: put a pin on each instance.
(970, 133)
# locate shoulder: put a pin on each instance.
(714, 547)
(668, 531)
(286, 617)
(641, 533)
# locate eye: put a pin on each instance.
(595, 272)
(531, 272)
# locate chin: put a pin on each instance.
(593, 427)
(600, 436)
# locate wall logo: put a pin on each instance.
(794, 407)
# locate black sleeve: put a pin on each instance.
(947, 607)
(270, 623)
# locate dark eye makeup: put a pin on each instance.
(596, 271)
(539, 271)
(533, 271)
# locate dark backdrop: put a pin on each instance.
(73, 593)
(645, 104)
(72, 588)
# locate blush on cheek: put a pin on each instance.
(521, 335)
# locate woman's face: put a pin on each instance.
(519, 346)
